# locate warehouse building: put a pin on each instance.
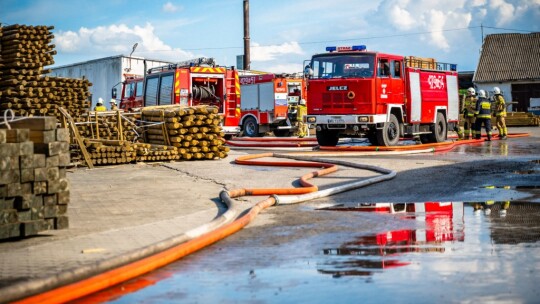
(106, 73)
(512, 63)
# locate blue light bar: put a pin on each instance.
(359, 47)
(331, 48)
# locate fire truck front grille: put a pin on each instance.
(336, 101)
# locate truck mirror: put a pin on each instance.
(308, 71)
(113, 93)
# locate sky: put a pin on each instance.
(283, 33)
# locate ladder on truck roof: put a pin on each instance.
(429, 64)
(201, 61)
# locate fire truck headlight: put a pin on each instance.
(363, 119)
(311, 119)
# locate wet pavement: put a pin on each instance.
(482, 247)
(302, 253)
(459, 252)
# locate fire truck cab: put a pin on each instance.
(132, 93)
(196, 82)
(358, 93)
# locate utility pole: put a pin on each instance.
(246, 35)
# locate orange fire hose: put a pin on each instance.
(118, 275)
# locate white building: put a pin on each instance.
(106, 73)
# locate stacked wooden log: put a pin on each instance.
(110, 125)
(195, 131)
(34, 189)
(110, 152)
(521, 119)
(25, 51)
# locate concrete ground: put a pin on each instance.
(119, 209)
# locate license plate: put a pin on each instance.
(336, 121)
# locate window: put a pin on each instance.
(151, 91)
(166, 89)
(343, 66)
(130, 90)
(383, 68)
(396, 73)
(139, 89)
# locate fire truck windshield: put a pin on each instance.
(345, 65)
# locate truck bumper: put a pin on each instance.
(231, 130)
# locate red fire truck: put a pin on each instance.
(269, 103)
(190, 83)
(358, 93)
(132, 93)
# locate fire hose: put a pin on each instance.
(200, 93)
(92, 279)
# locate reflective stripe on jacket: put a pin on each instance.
(500, 105)
(483, 108)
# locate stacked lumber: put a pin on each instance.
(109, 125)
(153, 152)
(110, 152)
(25, 51)
(34, 189)
(521, 119)
(195, 131)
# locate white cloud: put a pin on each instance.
(401, 18)
(505, 11)
(119, 39)
(169, 7)
(272, 52)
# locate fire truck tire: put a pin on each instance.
(327, 137)
(251, 127)
(438, 131)
(389, 134)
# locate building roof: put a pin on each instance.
(103, 59)
(509, 57)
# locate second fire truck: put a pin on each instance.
(358, 93)
(189, 83)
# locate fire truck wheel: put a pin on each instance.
(251, 127)
(327, 137)
(389, 134)
(439, 130)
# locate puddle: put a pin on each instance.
(414, 252)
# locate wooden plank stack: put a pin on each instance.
(105, 125)
(521, 119)
(34, 189)
(25, 51)
(195, 131)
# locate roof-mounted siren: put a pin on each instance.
(354, 48)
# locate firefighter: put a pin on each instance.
(469, 109)
(483, 115)
(300, 113)
(500, 112)
(99, 106)
(113, 105)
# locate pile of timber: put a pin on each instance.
(34, 189)
(25, 51)
(110, 152)
(195, 131)
(109, 125)
(521, 119)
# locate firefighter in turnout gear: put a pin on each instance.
(99, 106)
(500, 112)
(469, 109)
(483, 115)
(301, 112)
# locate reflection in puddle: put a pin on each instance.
(441, 227)
(442, 222)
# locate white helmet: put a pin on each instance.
(302, 102)
(100, 101)
(113, 101)
(496, 90)
(482, 93)
(471, 91)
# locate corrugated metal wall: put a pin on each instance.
(105, 73)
